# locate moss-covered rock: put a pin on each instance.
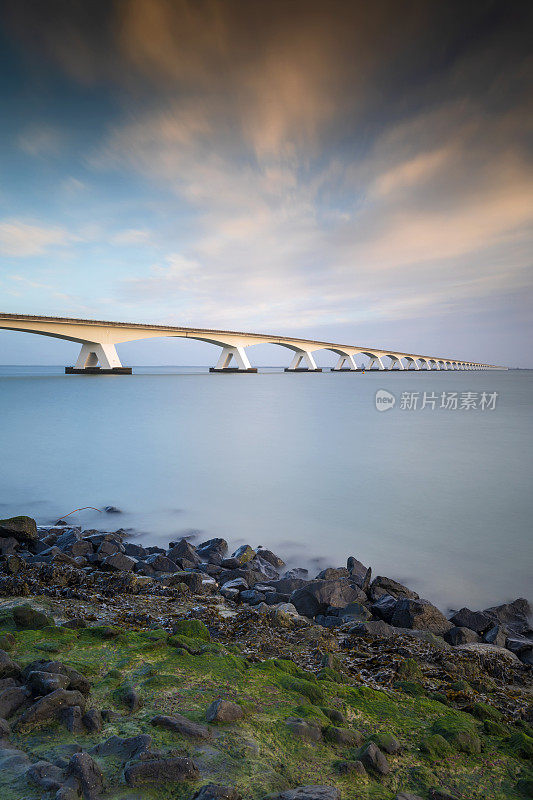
(521, 745)
(192, 628)
(484, 711)
(435, 747)
(459, 733)
(312, 691)
(409, 670)
(493, 728)
(23, 529)
(25, 616)
(413, 688)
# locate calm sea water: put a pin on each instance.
(303, 463)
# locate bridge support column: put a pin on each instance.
(98, 358)
(238, 355)
(343, 359)
(375, 360)
(395, 360)
(303, 361)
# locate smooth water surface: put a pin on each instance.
(303, 463)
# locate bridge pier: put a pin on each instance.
(345, 359)
(303, 357)
(97, 358)
(236, 354)
(375, 360)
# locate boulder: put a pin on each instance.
(8, 668)
(46, 775)
(373, 759)
(213, 791)
(384, 607)
(184, 549)
(124, 749)
(161, 771)
(457, 636)
(135, 550)
(11, 699)
(373, 628)
(489, 650)
(71, 718)
(304, 729)
(87, 772)
(243, 554)
(265, 568)
(213, 548)
(317, 596)
(419, 614)
(108, 548)
(516, 614)
(298, 573)
(354, 612)
(288, 585)
(332, 573)
(477, 621)
(252, 597)
(179, 724)
(496, 635)
(92, 720)
(310, 793)
(359, 573)
(27, 617)
(5, 729)
(272, 558)
(49, 707)
(224, 711)
(76, 679)
(23, 529)
(382, 585)
(343, 736)
(45, 682)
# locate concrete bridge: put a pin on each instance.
(98, 353)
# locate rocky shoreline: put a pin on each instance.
(349, 644)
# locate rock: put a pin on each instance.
(108, 548)
(118, 562)
(161, 771)
(124, 749)
(92, 720)
(27, 617)
(213, 791)
(288, 585)
(243, 554)
(112, 510)
(350, 768)
(298, 573)
(46, 682)
(359, 573)
(46, 775)
(76, 679)
(75, 624)
(304, 729)
(381, 586)
(354, 612)
(224, 711)
(72, 719)
(182, 725)
(5, 729)
(317, 596)
(69, 790)
(87, 772)
(310, 793)
(7, 641)
(272, 558)
(236, 583)
(441, 794)
(420, 614)
(265, 568)
(384, 607)
(488, 649)
(407, 796)
(23, 529)
(477, 621)
(518, 644)
(496, 635)
(516, 614)
(373, 759)
(372, 628)
(457, 636)
(8, 668)
(343, 736)
(252, 597)
(183, 549)
(11, 699)
(135, 550)
(49, 707)
(333, 573)
(213, 548)
(387, 742)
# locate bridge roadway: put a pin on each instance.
(98, 352)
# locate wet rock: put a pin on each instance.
(288, 585)
(354, 612)
(420, 614)
(387, 742)
(310, 793)
(85, 770)
(516, 614)
(297, 573)
(118, 562)
(108, 548)
(372, 628)
(224, 711)
(332, 574)
(518, 644)
(243, 554)
(359, 573)
(264, 568)
(477, 621)
(46, 775)
(382, 585)
(71, 718)
(304, 729)
(252, 597)
(8, 668)
(135, 550)
(317, 596)
(45, 682)
(49, 706)
(92, 720)
(236, 583)
(184, 549)
(76, 679)
(272, 558)
(5, 729)
(23, 529)
(212, 548)
(384, 607)
(179, 724)
(213, 791)
(11, 699)
(112, 510)
(161, 771)
(343, 736)
(496, 635)
(124, 748)
(457, 636)
(27, 617)
(373, 759)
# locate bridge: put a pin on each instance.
(98, 352)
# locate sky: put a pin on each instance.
(359, 172)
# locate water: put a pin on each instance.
(302, 463)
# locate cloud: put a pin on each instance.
(131, 236)
(20, 239)
(41, 140)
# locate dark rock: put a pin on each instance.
(354, 612)
(273, 598)
(8, 668)
(304, 729)
(108, 548)
(310, 793)
(343, 736)
(27, 617)
(7, 683)
(71, 718)
(475, 620)
(179, 724)
(372, 628)
(264, 568)
(460, 636)
(272, 558)
(243, 554)
(249, 575)
(384, 607)
(381, 585)
(419, 614)
(407, 796)
(88, 773)
(184, 549)
(118, 562)
(13, 564)
(46, 775)
(373, 759)
(23, 529)
(76, 679)
(161, 771)
(333, 574)
(92, 720)
(112, 510)
(496, 635)
(516, 614)
(387, 742)
(359, 573)
(236, 583)
(5, 728)
(9, 545)
(316, 596)
(46, 682)
(224, 711)
(328, 622)
(124, 749)
(75, 623)
(212, 548)
(518, 644)
(11, 699)
(49, 707)
(135, 550)
(297, 573)
(441, 794)
(350, 768)
(213, 791)
(288, 585)
(252, 597)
